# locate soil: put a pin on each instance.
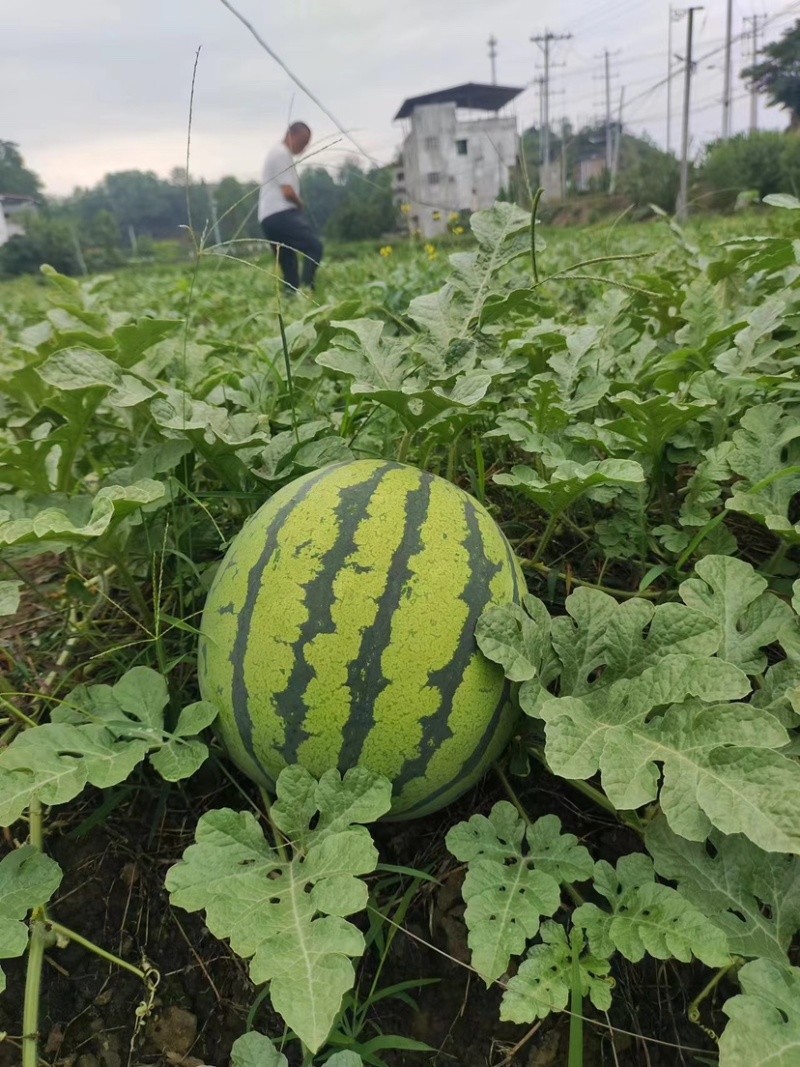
(115, 851)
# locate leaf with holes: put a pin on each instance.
(288, 916)
(647, 918)
(751, 895)
(544, 980)
(513, 879)
(764, 1027)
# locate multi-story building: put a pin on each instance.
(456, 157)
(12, 209)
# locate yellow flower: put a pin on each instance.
(406, 209)
(455, 217)
(386, 251)
(431, 250)
(458, 229)
(437, 215)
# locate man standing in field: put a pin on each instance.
(280, 210)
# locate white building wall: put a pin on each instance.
(4, 234)
(453, 164)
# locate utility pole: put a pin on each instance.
(683, 195)
(543, 40)
(674, 16)
(726, 92)
(493, 57)
(214, 220)
(617, 142)
(563, 160)
(753, 90)
(608, 113)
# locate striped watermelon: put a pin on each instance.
(340, 630)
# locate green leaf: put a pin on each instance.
(287, 916)
(360, 797)
(508, 887)
(543, 982)
(647, 918)
(9, 597)
(729, 591)
(352, 1059)
(27, 880)
(195, 718)
(751, 895)
(97, 736)
(256, 1050)
(651, 422)
(110, 504)
(784, 200)
(568, 480)
(373, 361)
(766, 455)
(510, 636)
(179, 759)
(764, 1027)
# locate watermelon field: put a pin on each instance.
(532, 496)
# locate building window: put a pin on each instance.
(434, 177)
(461, 148)
(431, 144)
(400, 175)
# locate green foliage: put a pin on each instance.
(289, 915)
(27, 880)
(97, 736)
(778, 73)
(631, 423)
(46, 240)
(764, 1023)
(765, 161)
(15, 177)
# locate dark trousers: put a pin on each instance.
(290, 232)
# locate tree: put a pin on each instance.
(778, 74)
(237, 209)
(45, 241)
(766, 161)
(14, 175)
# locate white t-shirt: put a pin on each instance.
(279, 169)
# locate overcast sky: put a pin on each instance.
(95, 86)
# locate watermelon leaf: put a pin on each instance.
(647, 918)
(255, 1050)
(513, 879)
(287, 914)
(97, 736)
(9, 597)
(730, 592)
(27, 880)
(751, 895)
(764, 1025)
(543, 982)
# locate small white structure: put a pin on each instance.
(12, 208)
(455, 157)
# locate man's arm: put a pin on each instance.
(290, 195)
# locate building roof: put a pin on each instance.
(470, 95)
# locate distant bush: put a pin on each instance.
(766, 161)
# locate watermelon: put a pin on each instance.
(340, 631)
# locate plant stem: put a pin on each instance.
(70, 935)
(694, 1008)
(569, 579)
(33, 974)
(546, 536)
(33, 984)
